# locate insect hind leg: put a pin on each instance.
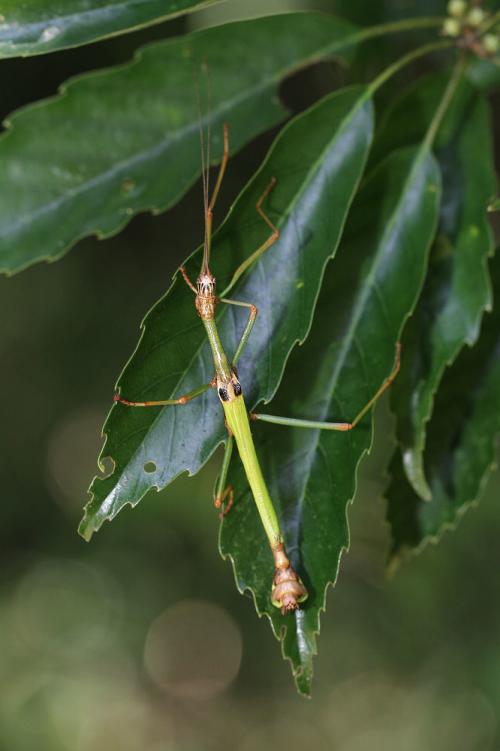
(184, 399)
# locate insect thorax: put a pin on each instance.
(229, 390)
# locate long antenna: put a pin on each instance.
(205, 167)
(208, 203)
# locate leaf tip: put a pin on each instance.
(86, 529)
(414, 470)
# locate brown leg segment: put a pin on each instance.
(187, 279)
(219, 501)
(184, 399)
(262, 248)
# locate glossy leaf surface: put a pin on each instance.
(485, 74)
(318, 160)
(125, 140)
(369, 290)
(457, 289)
(460, 452)
(40, 26)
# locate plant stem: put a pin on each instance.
(489, 23)
(405, 60)
(445, 102)
(371, 32)
(407, 24)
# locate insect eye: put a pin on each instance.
(236, 388)
(223, 395)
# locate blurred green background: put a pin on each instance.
(139, 640)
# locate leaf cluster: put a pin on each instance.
(381, 201)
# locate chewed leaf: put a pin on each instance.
(460, 450)
(318, 160)
(457, 289)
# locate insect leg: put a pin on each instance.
(385, 385)
(248, 328)
(187, 279)
(184, 399)
(222, 168)
(265, 245)
(295, 423)
(221, 491)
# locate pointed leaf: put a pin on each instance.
(125, 140)
(318, 160)
(485, 74)
(460, 451)
(42, 26)
(457, 289)
(369, 291)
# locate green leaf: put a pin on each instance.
(485, 74)
(317, 160)
(460, 450)
(41, 26)
(368, 292)
(405, 121)
(126, 140)
(457, 289)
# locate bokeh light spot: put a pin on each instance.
(193, 650)
(71, 455)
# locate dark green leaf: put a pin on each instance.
(318, 160)
(460, 449)
(406, 120)
(40, 26)
(485, 74)
(369, 291)
(457, 289)
(127, 140)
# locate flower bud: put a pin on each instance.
(457, 8)
(451, 27)
(476, 17)
(491, 44)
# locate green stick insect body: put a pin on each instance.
(287, 588)
(288, 591)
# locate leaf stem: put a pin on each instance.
(407, 24)
(445, 102)
(489, 23)
(405, 60)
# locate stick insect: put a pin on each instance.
(288, 590)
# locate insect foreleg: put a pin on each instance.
(184, 399)
(248, 328)
(265, 245)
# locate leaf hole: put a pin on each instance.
(150, 467)
(106, 466)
